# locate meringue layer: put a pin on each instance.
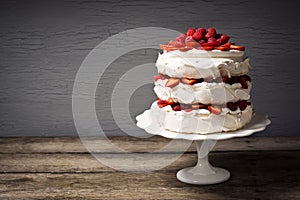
(202, 64)
(200, 121)
(205, 93)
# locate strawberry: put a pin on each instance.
(222, 48)
(242, 104)
(192, 44)
(167, 47)
(207, 48)
(211, 40)
(161, 103)
(176, 108)
(202, 31)
(243, 82)
(232, 106)
(188, 81)
(189, 39)
(236, 47)
(157, 77)
(188, 110)
(209, 45)
(172, 82)
(190, 31)
(225, 79)
(227, 44)
(215, 109)
(198, 106)
(181, 38)
(210, 35)
(170, 101)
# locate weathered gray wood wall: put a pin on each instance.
(42, 44)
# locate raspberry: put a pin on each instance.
(197, 36)
(232, 106)
(190, 31)
(242, 105)
(212, 30)
(211, 40)
(224, 38)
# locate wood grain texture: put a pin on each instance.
(42, 44)
(36, 170)
(132, 144)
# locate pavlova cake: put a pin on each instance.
(202, 85)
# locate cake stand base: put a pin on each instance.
(203, 173)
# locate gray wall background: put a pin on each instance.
(42, 44)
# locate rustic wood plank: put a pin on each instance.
(242, 185)
(132, 144)
(76, 163)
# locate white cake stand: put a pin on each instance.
(204, 173)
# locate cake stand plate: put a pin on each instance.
(203, 173)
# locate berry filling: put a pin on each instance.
(215, 109)
(172, 81)
(201, 38)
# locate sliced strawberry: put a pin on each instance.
(157, 77)
(212, 44)
(188, 110)
(236, 47)
(172, 82)
(222, 48)
(215, 109)
(232, 106)
(227, 44)
(177, 108)
(192, 44)
(167, 47)
(170, 101)
(243, 82)
(242, 105)
(188, 81)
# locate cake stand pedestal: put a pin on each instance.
(204, 173)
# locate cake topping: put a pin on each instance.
(201, 39)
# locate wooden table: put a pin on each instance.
(61, 168)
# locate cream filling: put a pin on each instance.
(202, 53)
(184, 65)
(206, 93)
(200, 121)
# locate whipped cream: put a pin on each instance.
(201, 64)
(203, 53)
(200, 121)
(206, 93)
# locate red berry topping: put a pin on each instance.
(190, 31)
(211, 40)
(177, 108)
(215, 109)
(188, 81)
(212, 30)
(189, 39)
(181, 38)
(232, 106)
(242, 104)
(157, 77)
(224, 38)
(236, 47)
(243, 82)
(197, 36)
